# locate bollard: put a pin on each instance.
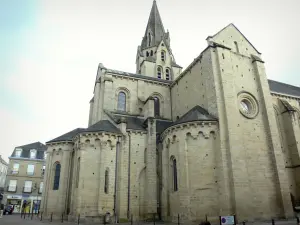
(154, 218)
(178, 220)
(205, 217)
(41, 216)
(78, 218)
(51, 217)
(244, 222)
(298, 221)
(273, 222)
(62, 217)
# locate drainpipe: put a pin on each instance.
(129, 156)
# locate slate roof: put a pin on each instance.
(103, 125)
(67, 136)
(40, 147)
(283, 88)
(155, 25)
(195, 114)
(161, 125)
(139, 76)
(133, 122)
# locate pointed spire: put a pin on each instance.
(155, 30)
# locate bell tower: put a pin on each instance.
(154, 56)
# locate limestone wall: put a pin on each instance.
(194, 87)
(55, 201)
(137, 91)
(288, 125)
(258, 186)
(195, 148)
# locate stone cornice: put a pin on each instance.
(133, 79)
(277, 94)
(182, 126)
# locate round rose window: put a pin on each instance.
(248, 105)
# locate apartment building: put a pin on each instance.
(24, 181)
(3, 172)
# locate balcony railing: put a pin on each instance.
(11, 188)
(27, 189)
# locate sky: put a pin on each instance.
(50, 51)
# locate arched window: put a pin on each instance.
(156, 107)
(167, 74)
(78, 172)
(122, 101)
(147, 53)
(163, 56)
(56, 176)
(159, 72)
(106, 182)
(174, 174)
(151, 53)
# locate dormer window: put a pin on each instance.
(18, 152)
(151, 53)
(32, 153)
(147, 54)
(163, 56)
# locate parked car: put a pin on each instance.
(8, 210)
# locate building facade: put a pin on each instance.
(218, 138)
(24, 182)
(3, 172)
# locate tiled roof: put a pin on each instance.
(41, 148)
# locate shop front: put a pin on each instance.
(15, 201)
(24, 203)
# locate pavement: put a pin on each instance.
(16, 219)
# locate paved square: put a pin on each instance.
(17, 220)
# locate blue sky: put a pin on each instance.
(50, 50)
(15, 18)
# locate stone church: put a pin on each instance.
(217, 138)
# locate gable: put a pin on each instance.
(231, 34)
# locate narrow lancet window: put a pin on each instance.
(122, 101)
(56, 176)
